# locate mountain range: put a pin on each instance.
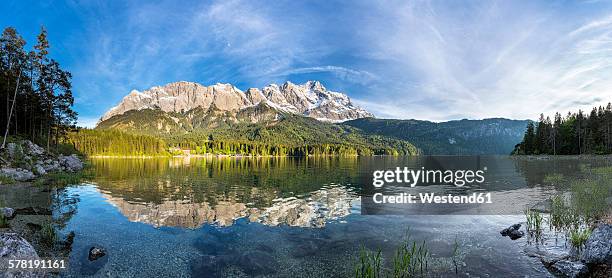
(296, 115)
(310, 99)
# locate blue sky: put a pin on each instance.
(438, 60)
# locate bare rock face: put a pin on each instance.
(310, 99)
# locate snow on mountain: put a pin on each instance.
(310, 99)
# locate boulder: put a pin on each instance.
(513, 232)
(571, 269)
(32, 148)
(96, 253)
(39, 169)
(70, 163)
(7, 212)
(598, 248)
(14, 247)
(17, 174)
(51, 165)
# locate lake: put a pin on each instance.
(288, 217)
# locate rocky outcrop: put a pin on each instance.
(14, 247)
(25, 161)
(310, 99)
(17, 174)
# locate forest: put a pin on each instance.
(35, 92)
(112, 142)
(575, 134)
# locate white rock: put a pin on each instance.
(14, 247)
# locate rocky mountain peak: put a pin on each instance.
(310, 99)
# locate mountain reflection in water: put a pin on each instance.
(191, 192)
(312, 211)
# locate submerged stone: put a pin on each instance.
(96, 253)
(569, 269)
(513, 232)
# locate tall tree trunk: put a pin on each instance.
(8, 119)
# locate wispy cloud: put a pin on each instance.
(433, 60)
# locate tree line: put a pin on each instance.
(119, 143)
(574, 134)
(36, 92)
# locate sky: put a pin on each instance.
(429, 60)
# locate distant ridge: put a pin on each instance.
(461, 137)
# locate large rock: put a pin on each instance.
(14, 247)
(70, 163)
(51, 165)
(598, 248)
(17, 174)
(569, 269)
(32, 148)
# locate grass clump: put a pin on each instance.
(48, 235)
(554, 179)
(60, 179)
(578, 237)
(3, 222)
(534, 222)
(563, 216)
(411, 260)
(370, 264)
(589, 197)
(6, 180)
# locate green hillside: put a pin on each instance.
(488, 136)
(277, 132)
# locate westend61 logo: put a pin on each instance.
(413, 177)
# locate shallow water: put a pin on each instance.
(285, 217)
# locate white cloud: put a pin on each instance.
(416, 59)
